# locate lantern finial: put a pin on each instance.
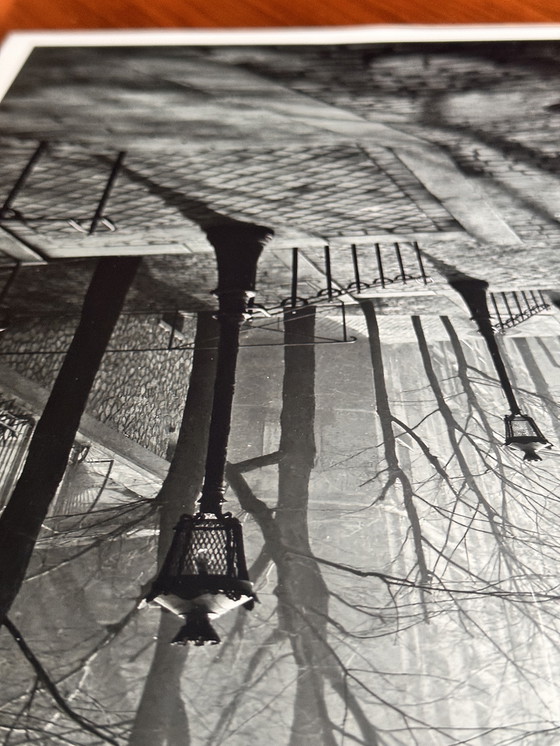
(197, 629)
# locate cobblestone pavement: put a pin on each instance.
(248, 132)
(492, 107)
(300, 191)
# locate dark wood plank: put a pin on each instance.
(102, 14)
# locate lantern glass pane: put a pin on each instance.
(207, 550)
(205, 546)
(522, 428)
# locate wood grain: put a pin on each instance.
(103, 14)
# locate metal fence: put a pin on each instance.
(513, 307)
(353, 271)
(83, 484)
(78, 190)
(16, 428)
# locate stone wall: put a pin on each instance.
(141, 386)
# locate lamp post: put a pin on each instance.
(522, 432)
(204, 574)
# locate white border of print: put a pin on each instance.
(18, 46)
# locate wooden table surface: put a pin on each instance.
(100, 14)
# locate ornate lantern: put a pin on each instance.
(523, 434)
(204, 575)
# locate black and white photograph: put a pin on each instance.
(280, 388)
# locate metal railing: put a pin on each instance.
(265, 328)
(10, 212)
(358, 269)
(83, 484)
(513, 307)
(16, 429)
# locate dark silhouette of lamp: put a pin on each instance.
(522, 433)
(204, 574)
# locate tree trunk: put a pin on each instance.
(161, 711)
(56, 430)
(181, 487)
(302, 593)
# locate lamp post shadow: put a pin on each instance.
(522, 432)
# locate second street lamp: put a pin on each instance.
(522, 433)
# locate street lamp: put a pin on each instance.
(522, 432)
(204, 574)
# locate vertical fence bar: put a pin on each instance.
(357, 282)
(344, 329)
(379, 264)
(9, 282)
(516, 297)
(98, 215)
(294, 277)
(500, 322)
(420, 262)
(170, 343)
(400, 261)
(506, 303)
(328, 271)
(527, 302)
(535, 301)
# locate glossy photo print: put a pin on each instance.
(280, 388)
